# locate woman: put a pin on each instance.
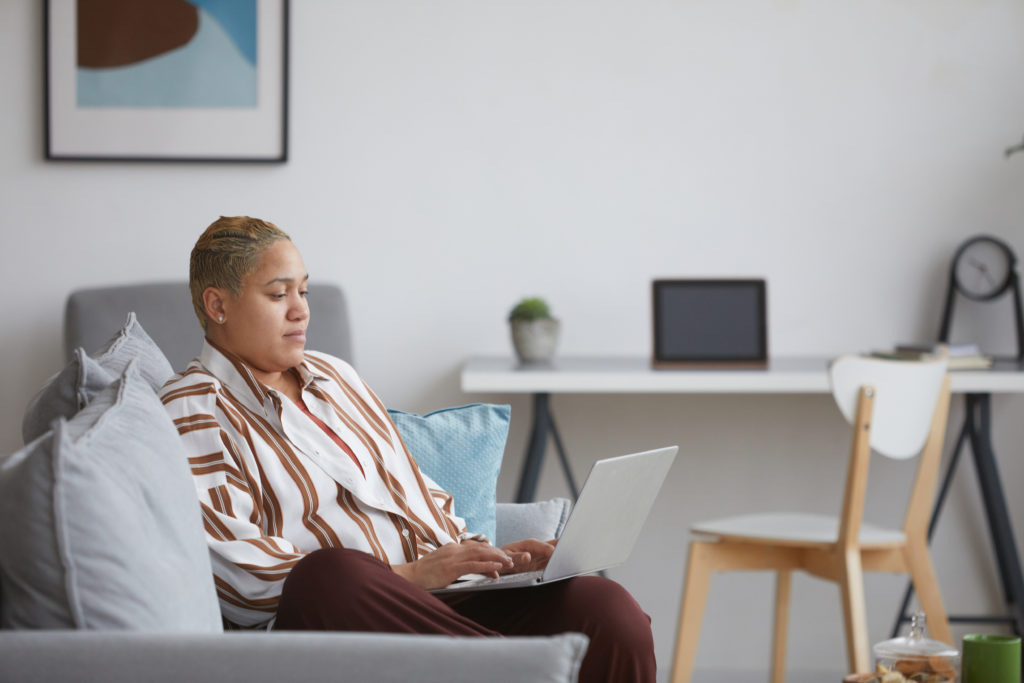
(316, 515)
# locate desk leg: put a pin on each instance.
(996, 510)
(543, 424)
(566, 469)
(978, 429)
(535, 449)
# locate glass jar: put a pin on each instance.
(916, 658)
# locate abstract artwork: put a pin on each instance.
(184, 80)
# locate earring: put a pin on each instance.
(220, 319)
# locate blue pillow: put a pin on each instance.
(461, 449)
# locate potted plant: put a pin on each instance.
(534, 331)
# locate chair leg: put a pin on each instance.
(781, 631)
(695, 594)
(851, 586)
(922, 574)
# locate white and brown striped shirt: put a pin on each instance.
(274, 486)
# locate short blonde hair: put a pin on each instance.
(225, 253)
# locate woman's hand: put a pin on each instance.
(439, 568)
(528, 555)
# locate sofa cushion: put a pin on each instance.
(286, 656)
(461, 449)
(100, 524)
(70, 389)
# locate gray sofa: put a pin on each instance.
(116, 586)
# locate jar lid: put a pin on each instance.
(915, 644)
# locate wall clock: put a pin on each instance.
(983, 269)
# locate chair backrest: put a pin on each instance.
(164, 309)
(898, 409)
(905, 396)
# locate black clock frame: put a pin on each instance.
(1011, 262)
(1012, 282)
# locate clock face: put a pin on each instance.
(982, 268)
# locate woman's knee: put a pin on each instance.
(329, 589)
(604, 602)
(331, 568)
(327, 562)
(601, 593)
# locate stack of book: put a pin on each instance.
(961, 356)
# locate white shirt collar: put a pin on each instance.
(237, 376)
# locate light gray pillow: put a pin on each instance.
(64, 394)
(69, 390)
(543, 520)
(132, 342)
(100, 524)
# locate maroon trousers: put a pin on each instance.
(348, 590)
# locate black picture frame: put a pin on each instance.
(728, 319)
(257, 133)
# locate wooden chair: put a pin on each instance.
(898, 409)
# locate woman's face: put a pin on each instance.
(266, 324)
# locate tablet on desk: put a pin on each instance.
(710, 322)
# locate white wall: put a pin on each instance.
(449, 157)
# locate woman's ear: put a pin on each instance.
(213, 304)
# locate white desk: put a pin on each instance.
(634, 375)
(783, 375)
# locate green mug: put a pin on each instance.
(990, 659)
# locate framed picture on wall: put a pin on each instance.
(167, 80)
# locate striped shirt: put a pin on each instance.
(273, 485)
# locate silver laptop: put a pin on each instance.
(604, 524)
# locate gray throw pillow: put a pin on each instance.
(132, 342)
(69, 390)
(543, 520)
(64, 394)
(100, 523)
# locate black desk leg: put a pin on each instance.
(995, 507)
(535, 449)
(543, 423)
(566, 469)
(977, 428)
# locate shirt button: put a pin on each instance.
(405, 532)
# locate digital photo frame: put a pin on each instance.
(702, 322)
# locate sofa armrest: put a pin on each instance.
(543, 519)
(128, 657)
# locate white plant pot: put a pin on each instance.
(535, 340)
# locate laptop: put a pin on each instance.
(603, 526)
